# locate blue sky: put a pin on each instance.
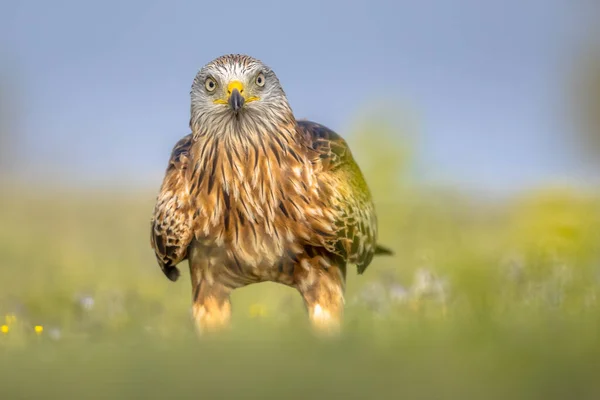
(104, 86)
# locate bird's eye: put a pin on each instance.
(260, 80)
(210, 84)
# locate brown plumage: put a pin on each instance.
(253, 195)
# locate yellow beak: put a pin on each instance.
(235, 85)
(234, 91)
(235, 96)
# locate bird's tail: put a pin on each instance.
(379, 251)
(383, 251)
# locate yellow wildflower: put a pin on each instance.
(10, 319)
(39, 329)
(258, 310)
(4, 329)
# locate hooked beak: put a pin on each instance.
(236, 100)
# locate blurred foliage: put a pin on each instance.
(483, 299)
(381, 140)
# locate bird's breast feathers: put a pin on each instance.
(262, 200)
(259, 202)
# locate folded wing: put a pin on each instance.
(171, 222)
(348, 194)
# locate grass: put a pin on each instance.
(483, 299)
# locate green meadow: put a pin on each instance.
(484, 298)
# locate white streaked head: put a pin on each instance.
(237, 88)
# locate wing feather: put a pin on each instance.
(171, 227)
(348, 194)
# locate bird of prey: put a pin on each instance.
(254, 195)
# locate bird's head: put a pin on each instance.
(236, 88)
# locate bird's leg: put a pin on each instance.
(211, 306)
(323, 294)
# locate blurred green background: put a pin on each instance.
(493, 291)
(483, 299)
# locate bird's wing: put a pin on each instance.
(171, 231)
(348, 194)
